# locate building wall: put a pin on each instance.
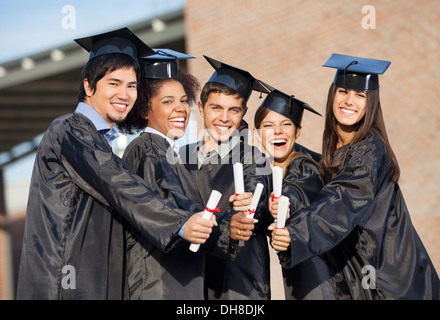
(6, 266)
(285, 43)
(3, 264)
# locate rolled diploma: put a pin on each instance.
(283, 204)
(255, 200)
(238, 178)
(277, 180)
(213, 200)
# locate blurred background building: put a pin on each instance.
(283, 43)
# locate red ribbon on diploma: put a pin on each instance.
(212, 210)
(274, 198)
(251, 211)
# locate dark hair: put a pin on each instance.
(215, 87)
(98, 67)
(372, 120)
(259, 116)
(136, 119)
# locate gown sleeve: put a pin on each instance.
(302, 182)
(343, 203)
(98, 171)
(161, 176)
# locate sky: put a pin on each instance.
(30, 26)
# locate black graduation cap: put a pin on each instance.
(121, 40)
(286, 105)
(163, 64)
(239, 80)
(355, 73)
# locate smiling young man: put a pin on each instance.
(115, 94)
(222, 113)
(223, 103)
(81, 193)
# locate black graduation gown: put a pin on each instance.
(73, 246)
(361, 223)
(248, 275)
(152, 273)
(311, 279)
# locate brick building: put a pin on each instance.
(285, 43)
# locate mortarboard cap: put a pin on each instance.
(355, 73)
(163, 64)
(286, 105)
(239, 80)
(121, 40)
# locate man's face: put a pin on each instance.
(114, 96)
(222, 114)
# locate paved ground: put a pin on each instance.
(276, 281)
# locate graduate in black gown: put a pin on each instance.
(223, 104)
(162, 112)
(278, 125)
(81, 193)
(360, 220)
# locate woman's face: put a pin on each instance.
(170, 110)
(278, 135)
(349, 106)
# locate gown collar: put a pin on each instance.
(100, 124)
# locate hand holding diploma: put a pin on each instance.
(241, 227)
(255, 200)
(280, 235)
(242, 223)
(241, 199)
(206, 217)
(274, 207)
(197, 229)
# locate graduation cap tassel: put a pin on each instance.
(290, 104)
(163, 53)
(345, 70)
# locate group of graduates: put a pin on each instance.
(124, 225)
